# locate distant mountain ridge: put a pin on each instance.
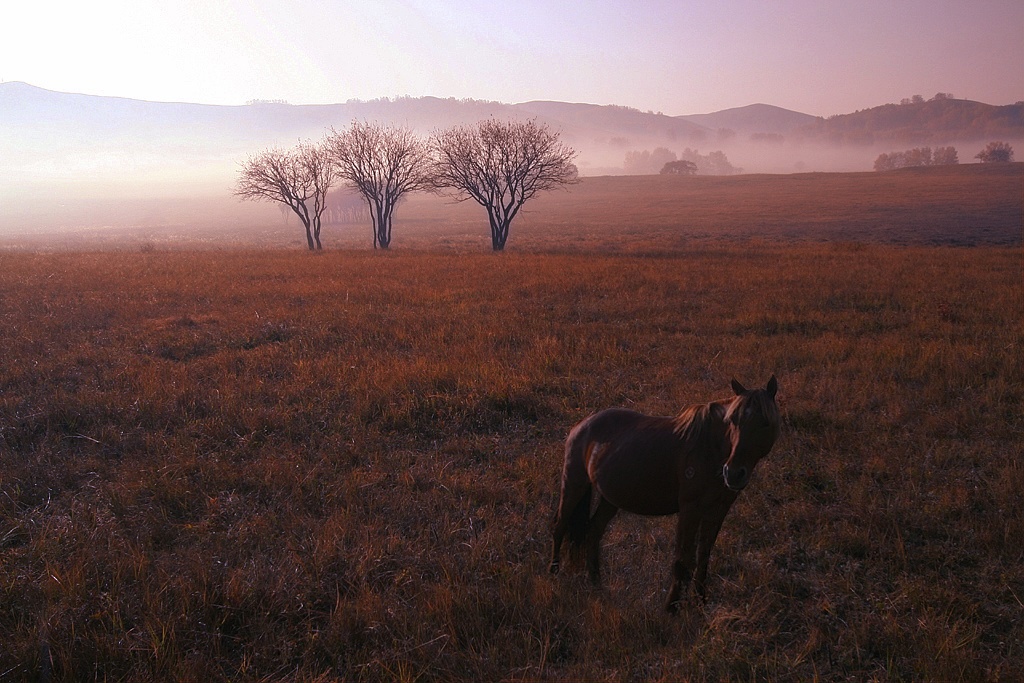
(754, 118)
(48, 136)
(612, 120)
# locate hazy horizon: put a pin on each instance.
(74, 163)
(676, 58)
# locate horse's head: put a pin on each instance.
(752, 425)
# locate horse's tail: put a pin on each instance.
(579, 521)
(573, 516)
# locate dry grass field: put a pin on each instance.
(265, 465)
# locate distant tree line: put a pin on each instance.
(994, 152)
(917, 99)
(662, 160)
(919, 156)
(501, 165)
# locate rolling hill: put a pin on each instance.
(753, 119)
(942, 120)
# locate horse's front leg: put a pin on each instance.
(709, 527)
(682, 569)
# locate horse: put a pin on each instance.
(693, 465)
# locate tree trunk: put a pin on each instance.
(384, 227)
(373, 222)
(381, 218)
(499, 231)
(316, 233)
(383, 234)
(303, 213)
(309, 234)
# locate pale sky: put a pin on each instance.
(819, 57)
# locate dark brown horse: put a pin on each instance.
(693, 465)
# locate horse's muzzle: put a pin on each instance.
(735, 478)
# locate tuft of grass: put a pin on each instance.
(258, 465)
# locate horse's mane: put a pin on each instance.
(758, 401)
(692, 425)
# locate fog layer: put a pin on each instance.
(78, 162)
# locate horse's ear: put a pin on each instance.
(772, 388)
(738, 388)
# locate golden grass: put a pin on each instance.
(267, 465)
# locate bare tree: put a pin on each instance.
(501, 165)
(299, 178)
(382, 163)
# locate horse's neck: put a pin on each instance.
(703, 425)
(721, 409)
(716, 412)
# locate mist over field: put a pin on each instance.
(75, 163)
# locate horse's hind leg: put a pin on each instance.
(598, 523)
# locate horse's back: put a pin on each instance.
(631, 458)
(606, 424)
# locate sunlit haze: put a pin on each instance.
(820, 57)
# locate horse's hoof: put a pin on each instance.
(673, 607)
(553, 568)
